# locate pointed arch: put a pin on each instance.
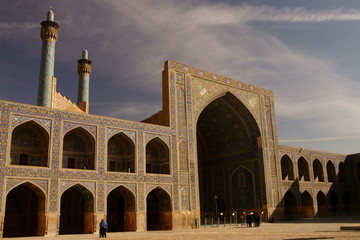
(29, 145)
(307, 206)
(290, 204)
(303, 169)
(157, 157)
(223, 95)
(36, 187)
(228, 135)
(318, 171)
(76, 211)
(243, 188)
(25, 211)
(121, 154)
(158, 210)
(121, 215)
(79, 149)
(185, 201)
(183, 156)
(322, 204)
(287, 169)
(330, 169)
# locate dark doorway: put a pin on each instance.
(229, 157)
(121, 215)
(25, 212)
(158, 207)
(334, 202)
(322, 204)
(291, 210)
(346, 201)
(77, 211)
(307, 208)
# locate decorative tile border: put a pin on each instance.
(18, 119)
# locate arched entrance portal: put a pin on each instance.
(121, 214)
(25, 212)
(229, 157)
(77, 211)
(322, 204)
(307, 206)
(158, 210)
(291, 209)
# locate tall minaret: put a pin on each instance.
(49, 36)
(84, 70)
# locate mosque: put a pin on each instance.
(212, 152)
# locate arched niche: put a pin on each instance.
(121, 154)
(287, 168)
(121, 215)
(183, 156)
(243, 189)
(307, 205)
(228, 137)
(158, 210)
(303, 169)
(78, 150)
(291, 207)
(29, 145)
(76, 211)
(322, 204)
(157, 157)
(330, 169)
(318, 171)
(25, 211)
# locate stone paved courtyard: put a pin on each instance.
(304, 230)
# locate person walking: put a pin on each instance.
(103, 228)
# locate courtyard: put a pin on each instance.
(328, 228)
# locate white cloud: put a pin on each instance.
(14, 27)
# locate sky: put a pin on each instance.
(307, 52)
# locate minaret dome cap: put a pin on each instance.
(85, 54)
(50, 15)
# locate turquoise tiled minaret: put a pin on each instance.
(84, 71)
(49, 36)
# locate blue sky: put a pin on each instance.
(307, 52)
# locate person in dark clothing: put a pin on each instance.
(103, 228)
(249, 220)
(257, 219)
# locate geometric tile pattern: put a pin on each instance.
(13, 182)
(18, 119)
